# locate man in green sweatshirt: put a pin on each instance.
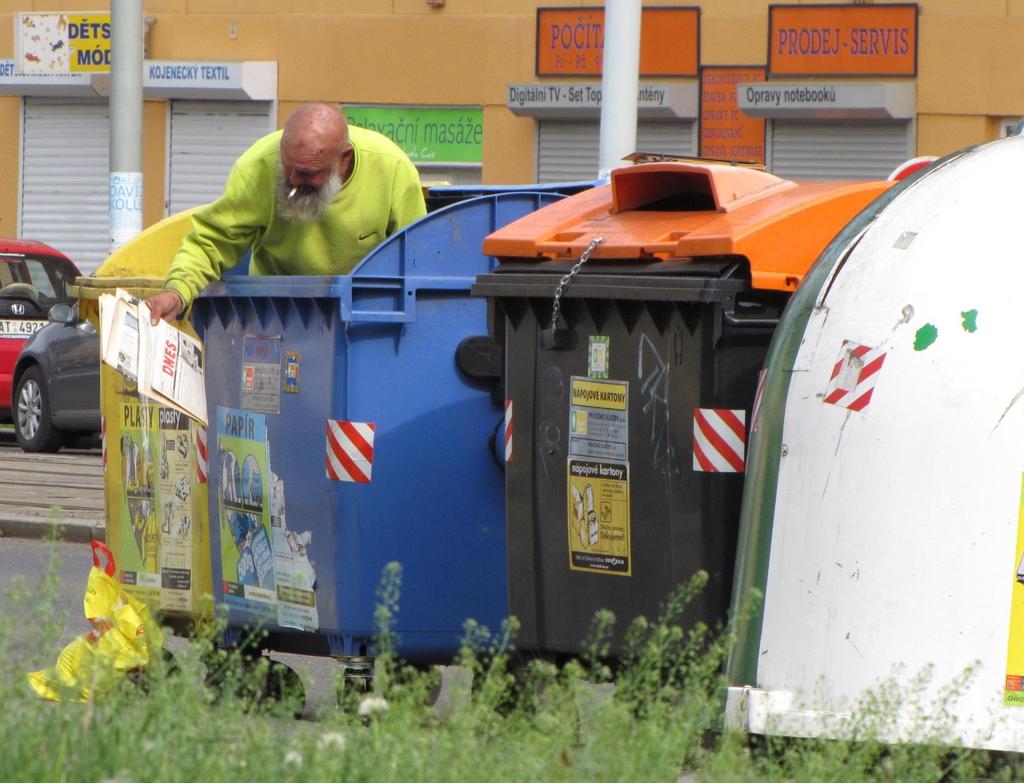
(312, 199)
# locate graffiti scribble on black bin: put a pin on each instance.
(242, 494)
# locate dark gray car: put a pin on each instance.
(57, 382)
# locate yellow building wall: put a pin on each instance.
(10, 117)
(154, 161)
(506, 138)
(734, 39)
(939, 134)
(466, 52)
(971, 65)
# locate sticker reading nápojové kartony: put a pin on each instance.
(598, 522)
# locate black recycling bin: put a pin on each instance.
(631, 362)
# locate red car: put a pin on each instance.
(33, 278)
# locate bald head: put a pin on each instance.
(314, 146)
(315, 130)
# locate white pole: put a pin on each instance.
(126, 45)
(620, 83)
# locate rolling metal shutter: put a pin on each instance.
(206, 137)
(65, 178)
(825, 150)
(568, 151)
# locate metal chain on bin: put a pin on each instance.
(584, 257)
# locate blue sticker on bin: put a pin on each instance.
(291, 372)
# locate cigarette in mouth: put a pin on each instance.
(291, 195)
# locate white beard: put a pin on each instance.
(307, 205)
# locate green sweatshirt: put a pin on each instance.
(381, 196)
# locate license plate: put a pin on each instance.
(19, 328)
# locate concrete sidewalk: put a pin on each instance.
(80, 531)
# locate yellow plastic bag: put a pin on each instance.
(123, 637)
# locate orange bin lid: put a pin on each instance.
(675, 210)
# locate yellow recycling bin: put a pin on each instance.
(154, 458)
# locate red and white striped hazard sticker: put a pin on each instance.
(350, 450)
(853, 376)
(719, 440)
(201, 458)
(508, 430)
(103, 441)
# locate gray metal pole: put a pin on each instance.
(620, 83)
(126, 53)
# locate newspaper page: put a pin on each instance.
(121, 345)
(174, 368)
(108, 311)
(107, 305)
(166, 364)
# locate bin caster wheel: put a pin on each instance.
(355, 677)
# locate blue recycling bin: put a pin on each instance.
(344, 436)
(440, 196)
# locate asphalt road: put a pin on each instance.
(41, 586)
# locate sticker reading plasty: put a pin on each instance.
(598, 477)
(261, 373)
(139, 553)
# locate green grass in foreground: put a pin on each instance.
(540, 724)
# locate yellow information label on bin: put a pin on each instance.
(599, 394)
(598, 477)
(155, 471)
(599, 517)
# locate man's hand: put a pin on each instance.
(166, 305)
